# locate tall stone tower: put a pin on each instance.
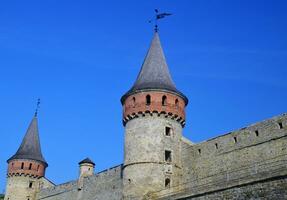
(26, 167)
(153, 116)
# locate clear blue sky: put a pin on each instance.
(79, 57)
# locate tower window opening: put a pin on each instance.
(38, 167)
(134, 101)
(167, 156)
(216, 145)
(167, 183)
(199, 151)
(235, 139)
(280, 125)
(12, 165)
(30, 184)
(168, 131)
(22, 165)
(148, 99)
(176, 103)
(257, 133)
(30, 166)
(163, 100)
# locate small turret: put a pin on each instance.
(87, 167)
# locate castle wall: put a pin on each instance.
(104, 185)
(268, 189)
(245, 156)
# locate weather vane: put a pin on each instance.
(157, 17)
(37, 108)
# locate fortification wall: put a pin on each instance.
(241, 157)
(104, 185)
(268, 189)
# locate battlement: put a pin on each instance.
(254, 134)
(19, 167)
(154, 103)
(103, 184)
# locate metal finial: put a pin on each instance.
(37, 108)
(157, 17)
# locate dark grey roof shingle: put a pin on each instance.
(154, 73)
(30, 147)
(87, 160)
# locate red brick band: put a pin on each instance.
(159, 103)
(26, 167)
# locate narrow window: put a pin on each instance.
(22, 165)
(163, 101)
(30, 166)
(216, 145)
(30, 184)
(148, 99)
(38, 167)
(167, 183)
(134, 101)
(280, 125)
(168, 131)
(167, 156)
(176, 103)
(257, 133)
(12, 165)
(235, 139)
(199, 151)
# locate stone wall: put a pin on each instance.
(248, 155)
(104, 185)
(21, 187)
(268, 189)
(145, 165)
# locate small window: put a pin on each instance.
(167, 183)
(38, 167)
(167, 156)
(30, 184)
(134, 101)
(216, 145)
(12, 165)
(148, 99)
(176, 103)
(257, 133)
(235, 139)
(30, 166)
(22, 165)
(168, 131)
(280, 125)
(199, 151)
(163, 100)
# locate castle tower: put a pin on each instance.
(153, 116)
(26, 167)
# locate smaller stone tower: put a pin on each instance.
(26, 167)
(87, 167)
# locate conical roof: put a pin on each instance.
(154, 73)
(30, 147)
(87, 160)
